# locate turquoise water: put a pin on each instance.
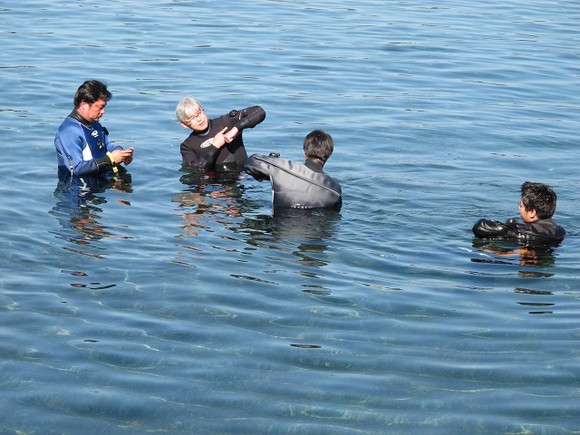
(173, 305)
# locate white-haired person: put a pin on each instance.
(215, 144)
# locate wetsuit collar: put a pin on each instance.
(206, 131)
(75, 115)
(315, 165)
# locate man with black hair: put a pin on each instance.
(81, 142)
(537, 206)
(300, 185)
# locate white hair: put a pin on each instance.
(186, 108)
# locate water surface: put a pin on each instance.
(169, 303)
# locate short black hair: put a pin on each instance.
(539, 197)
(91, 91)
(318, 145)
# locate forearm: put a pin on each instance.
(206, 160)
(489, 228)
(91, 167)
(257, 168)
(250, 117)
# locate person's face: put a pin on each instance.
(92, 112)
(527, 215)
(197, 122)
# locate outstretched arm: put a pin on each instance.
(247, 118)
(257, 167)
(490, 228)
(250, 117)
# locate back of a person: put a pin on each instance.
(295, 185)
(299, 185)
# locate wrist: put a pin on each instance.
(113, 164)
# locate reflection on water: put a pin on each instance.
(305, 233)
(532, 262)
(298, 241)
(302, 232)
(506, 252)
(231, 320)
(537, 307)
(78, 209)
(293, 242)
(208, 194)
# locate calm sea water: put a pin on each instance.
(169, 304)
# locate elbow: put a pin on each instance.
(487, 228)
(254, 116)
(261, 113)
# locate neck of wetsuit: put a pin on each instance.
(76, 115)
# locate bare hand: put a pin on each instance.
(219, 140)
(231, 135)
(129, 157)
(119, 156)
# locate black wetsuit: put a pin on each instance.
(296, 185)
(198, 152)
(544, 232)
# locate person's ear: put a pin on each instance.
(184, 125)
(533, 214)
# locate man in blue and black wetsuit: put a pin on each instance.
(81, 142)
(215, 144)
(300, 185)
